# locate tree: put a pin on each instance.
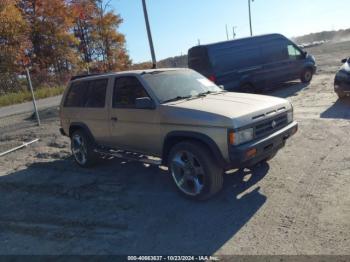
(13, 45)
(13, 37)
(110, 44)
(52, 41)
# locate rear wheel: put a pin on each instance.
(83, 149)
(306, 75)
(195, 172)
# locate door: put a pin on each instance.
(131, 128)
(296, 61)
(276, 62)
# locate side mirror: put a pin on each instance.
(222, 87)
(344, 60)
(144, 103)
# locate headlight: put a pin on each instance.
(290, 116)
(240, 137)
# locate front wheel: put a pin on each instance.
(306, 76)
(194, 170)
(83, 149)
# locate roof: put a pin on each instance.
(134, 72)
(242, 39)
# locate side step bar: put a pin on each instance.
(131, 156)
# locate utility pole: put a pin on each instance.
(250, 18)
(227, 33)
(154, 61)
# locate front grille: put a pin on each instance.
(271, 125)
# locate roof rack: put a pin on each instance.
(82, 76)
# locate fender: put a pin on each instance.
(77, 125)
(176, 136)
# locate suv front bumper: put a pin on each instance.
(241, 156)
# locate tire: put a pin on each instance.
(247, 88)
(83, 149)
(194, 170)
(306, 76)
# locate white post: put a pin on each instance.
(33, 97)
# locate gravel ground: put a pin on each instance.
(298, 203)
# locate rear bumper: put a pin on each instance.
(264, 147)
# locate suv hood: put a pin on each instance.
(225, 109)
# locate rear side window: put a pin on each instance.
(126, 91)
(91, 94)
(77, 94)
(97, 94)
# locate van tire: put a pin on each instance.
(212, 177)
(84, 156)
(306, 75)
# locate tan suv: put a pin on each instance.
(176, 118)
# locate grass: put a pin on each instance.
(25, 96)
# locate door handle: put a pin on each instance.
(115, 119)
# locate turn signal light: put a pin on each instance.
(232, 138)
(251, 153)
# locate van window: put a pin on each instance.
(77, 94)
(96, 97)
(293, 52)
(126, 90)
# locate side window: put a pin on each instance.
(126, 90)
(97, 93)
(293, 52)
(77, 94)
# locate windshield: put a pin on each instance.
(179, 84)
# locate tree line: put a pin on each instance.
(57, 38)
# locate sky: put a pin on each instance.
(177, 25)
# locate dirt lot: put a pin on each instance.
(299, 203)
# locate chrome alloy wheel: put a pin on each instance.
(188, 173)
(79, 149)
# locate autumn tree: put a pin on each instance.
(13, 36)
(13, 45)
(101, 46)
(50, 24)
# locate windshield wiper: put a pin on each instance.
(176, 99)
(209, 93)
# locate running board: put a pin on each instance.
(129, 156)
